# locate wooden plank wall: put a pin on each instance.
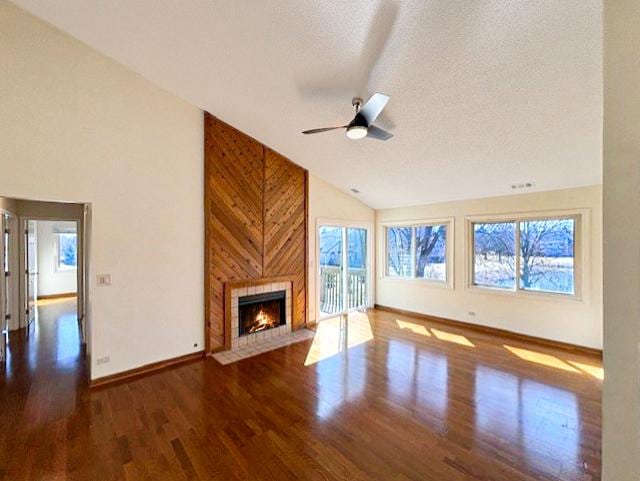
(255, 220)
(285, 232)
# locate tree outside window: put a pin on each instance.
(417, 252)
(431, 252)
(67, 251)
(399, 251)
(547, 255)
(546, 252)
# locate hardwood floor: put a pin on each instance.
(377, 397)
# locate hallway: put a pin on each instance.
(40, 388)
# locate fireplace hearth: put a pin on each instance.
(261, 312)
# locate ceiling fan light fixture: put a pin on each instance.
(355, 132)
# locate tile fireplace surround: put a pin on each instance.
(258, 337)
(249, 345)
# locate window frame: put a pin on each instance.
(449, 224)
(580, 258)
(59, 267)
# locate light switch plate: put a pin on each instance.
(104, 279)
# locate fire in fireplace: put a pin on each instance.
(260, 312)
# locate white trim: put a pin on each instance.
(4, 282)
(449, 223)
(344, 224)
(581, 266)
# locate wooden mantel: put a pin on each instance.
(256, 216)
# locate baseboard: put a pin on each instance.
(62, 295)
(146, 369)
(565, 346)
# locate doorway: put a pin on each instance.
(47, 286)
(344, 260)
(51, 260)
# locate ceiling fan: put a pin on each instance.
(362, 124)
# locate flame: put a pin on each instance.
(263, 321)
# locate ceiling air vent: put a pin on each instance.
(523, 185)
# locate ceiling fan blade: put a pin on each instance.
(324, 129)
(373, 107)
(378, 133)
(354, 77)
(377, 41)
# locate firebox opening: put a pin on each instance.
(260, 312)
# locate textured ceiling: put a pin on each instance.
(483, 93)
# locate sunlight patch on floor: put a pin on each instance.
(541, 358)
(338, 334)
(413, 327)
(594, 371)
(449, 337)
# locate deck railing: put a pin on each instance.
(331, 288)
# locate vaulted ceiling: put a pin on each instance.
(483, 93)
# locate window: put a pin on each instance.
(547, 255)
(417, 252)
(494, 254)
(399, 251)
(527, 254)
(67, 252)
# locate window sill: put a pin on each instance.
(420, 282)
(66, 269)
(520, 293)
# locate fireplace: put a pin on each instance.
(261, 312)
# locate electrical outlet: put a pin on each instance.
(104, 280)
(102, 360)
(472, 313)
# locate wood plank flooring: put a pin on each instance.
(374, 397)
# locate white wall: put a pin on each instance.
(567, 320)
(51, 280)
(329, 203)
(621, 394)
(77, 126)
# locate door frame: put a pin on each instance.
(12, 294)
(369, 226)
(5, 287)
(28, 317)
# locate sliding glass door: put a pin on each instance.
(356, 267)
(343, 269)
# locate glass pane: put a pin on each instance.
(357, 268)
(331, 282)
(431, 255)
(547, 255)
(399, 251)
(67, 254)
(494, 259)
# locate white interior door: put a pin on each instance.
(343, 269)
(31, 271)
